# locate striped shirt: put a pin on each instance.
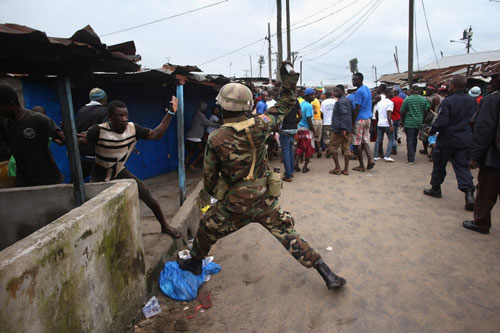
(413, 109)
(112, 149)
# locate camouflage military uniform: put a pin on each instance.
(228, 154)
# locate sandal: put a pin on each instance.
(306, 169)
(335, 172)
(358, 168)
(345, 172)
(370, 165)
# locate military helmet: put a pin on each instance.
(235, 97)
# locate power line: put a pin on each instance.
(231, 52)
(429, 31)
(364, 18)
(163, 19)
(316, 13)
(329, 33)
(242, 47)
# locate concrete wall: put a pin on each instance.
(24, 210)
(83, 272)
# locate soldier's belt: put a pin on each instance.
(250, 183)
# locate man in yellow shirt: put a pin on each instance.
(317, 121)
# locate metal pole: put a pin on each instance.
(269, 59)
(279, 39)
(301, 72)
(68, 118)
(410, 43)
(181, 143)
(288, 37)
(251, 70)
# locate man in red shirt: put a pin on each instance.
(396, 119)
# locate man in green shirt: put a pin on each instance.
(412, 117)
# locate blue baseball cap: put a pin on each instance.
(309, 91)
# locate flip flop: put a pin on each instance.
(304, 170)
(359, 169)
(335, 172)
(370, 165)
(344, 172)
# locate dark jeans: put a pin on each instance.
(488, 190)
(380, 136)
(395, 124)
(460, 161)
(411, 142)
(286, 142)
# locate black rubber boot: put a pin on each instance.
(469, 200)
(331, 279)
(433, 192)
(192, 265)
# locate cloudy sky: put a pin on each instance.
(325, 33)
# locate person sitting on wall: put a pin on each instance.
(27, 133)
(114, 141)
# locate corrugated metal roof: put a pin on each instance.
(464, 59)
(24, 50)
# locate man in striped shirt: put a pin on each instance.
(114, 141)
(412, 117)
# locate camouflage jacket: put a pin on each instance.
(228, 153)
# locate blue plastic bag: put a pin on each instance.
(183, 285)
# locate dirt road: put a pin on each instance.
(410, 265)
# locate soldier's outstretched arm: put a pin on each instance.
(210, 169)
(287, 99)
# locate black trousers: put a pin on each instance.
(460, 160)
(488, 190)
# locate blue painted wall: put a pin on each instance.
(146, 104)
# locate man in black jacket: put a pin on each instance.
(453, 141)
(95, 112)
(486, 155)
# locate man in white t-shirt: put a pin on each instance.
(327, 111)
(384, 126)
(272, 99)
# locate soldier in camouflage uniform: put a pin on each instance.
(235, 171)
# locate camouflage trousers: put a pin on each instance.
(241, 207)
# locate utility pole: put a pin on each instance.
(251, 71)
(301, 72)
(269, 53)
(410, 43)
(279, 38)
(374, 68)
(288, 38)
(261, 62)
(396, 58)
(468, 36)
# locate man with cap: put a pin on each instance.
(304, 130)
(95, 112)
(453, 141)
(485, 154)
(475, 92)
(412, 116)
(235, 172)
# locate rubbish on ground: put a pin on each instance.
(151, 308)
(204, 209)
(205, 299)
(183, 285)
(213, 201)
(369, 174)
(329, 248)
(190, 243)
(185, 308)
(184, 254)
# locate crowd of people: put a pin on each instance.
(321, 121)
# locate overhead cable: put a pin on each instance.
(164, 19)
